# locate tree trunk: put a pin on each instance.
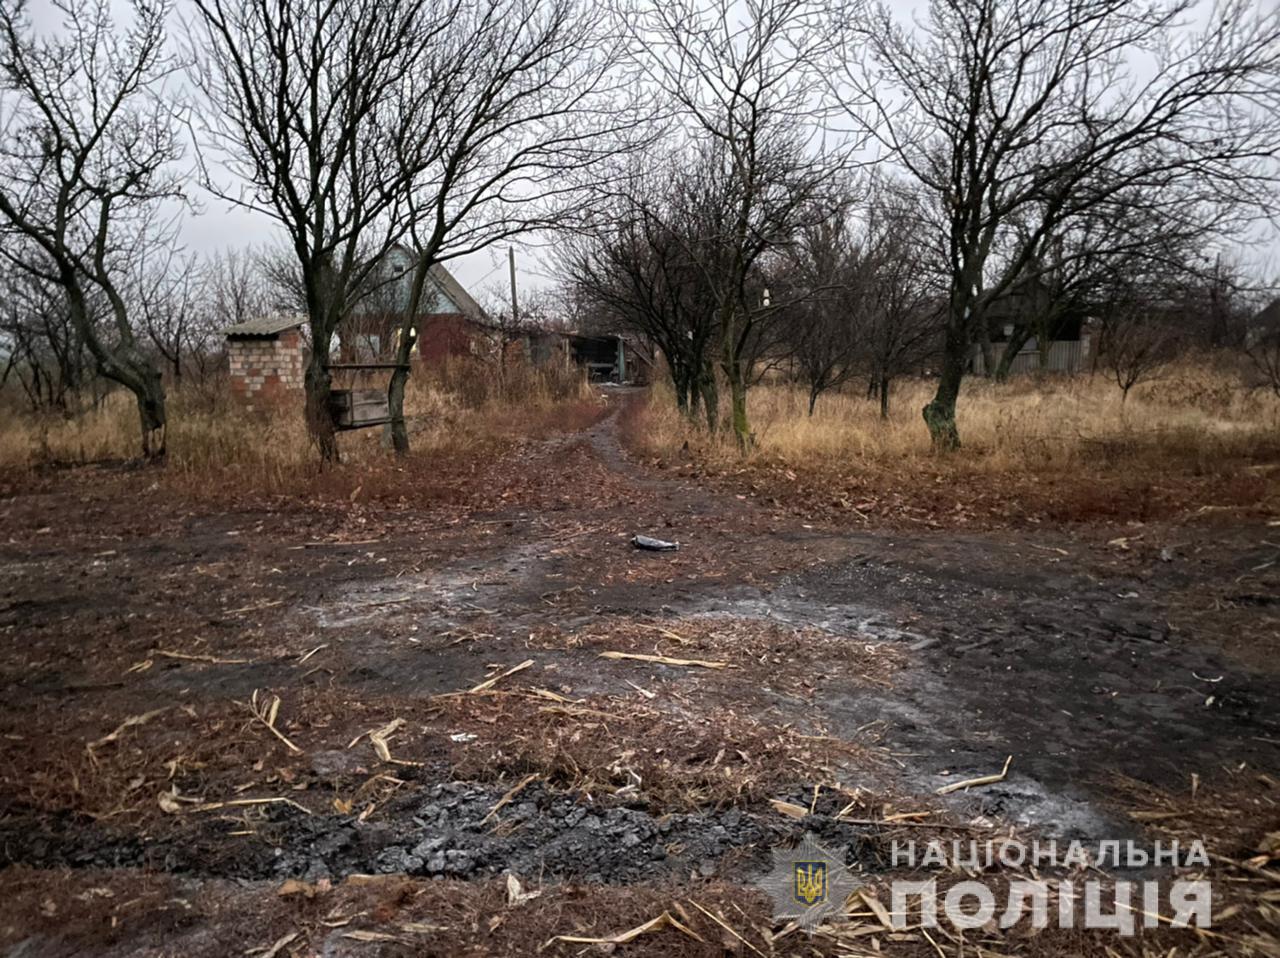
(395, 406)
(737, 379)
(408, 337)
(813, 398)
(151, 416)
(940, 414)
(681, 387)
(738, 400)
(151, 411)
(127, 365)
(710, 397)
(136, 372)
(1011, 349)
(686, 386)
(319, 409)
(987, 347)
(884, 397)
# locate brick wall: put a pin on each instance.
(266, 369)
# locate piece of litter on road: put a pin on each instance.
(550, 696)
(981, 780)
(275, 949)
(665, 920)
(130, 722)
(365, 935)
(511, 793)
(211, 659)
(790, 809)
(663, 660)
(462, 737)
(516, 895)
(379, 738)
(490, 683)
(643, 691)
(654, 545)
(312, 652)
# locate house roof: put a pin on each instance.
(263, 326)
(460, 298)
(443, 295)
(1267, 317)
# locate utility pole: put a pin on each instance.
(515, 308)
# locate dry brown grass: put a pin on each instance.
(1194, 416)
(86, 911)
(673, 759)
(461, 408)
(756, 652)
(1044, 447)
(388, 916)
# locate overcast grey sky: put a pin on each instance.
(220, 224)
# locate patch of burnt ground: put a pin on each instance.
(450, 830)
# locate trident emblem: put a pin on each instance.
(810, 882)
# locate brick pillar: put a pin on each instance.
(265, 370)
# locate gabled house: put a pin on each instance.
(449, 322)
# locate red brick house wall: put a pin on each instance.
(446, 334)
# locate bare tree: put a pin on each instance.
(631, 266)
(517, 105)
(87, 147)
(308, 104)
(1136, 343)
(744, 78)
(1083, 265)
(901, 316)
(166, 293)
(1020, 116)
(236, 287)
(822, 281)
(864, 297)
(44, 349)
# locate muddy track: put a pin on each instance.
(1012, 645)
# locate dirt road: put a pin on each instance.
(146, 761)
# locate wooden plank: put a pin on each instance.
(369, 366)
(342, 427)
